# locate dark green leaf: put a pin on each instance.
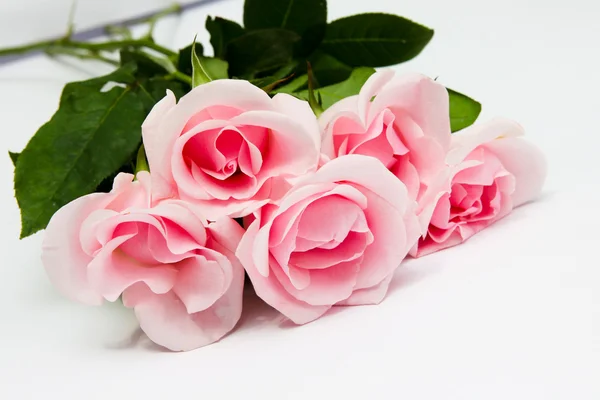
(282, 75)
(154, 89)
(94, 132)
(222, 31)
(334, 93)
(147, 65)
(14, 157)
(328, 70)
(375, 40)
(293, 15)
(260, 51)
(184, 61)
(463, 110)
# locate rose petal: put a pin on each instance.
(368, 296)
(526, 162)
(62, 256)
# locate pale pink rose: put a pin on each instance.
(403, 121)
(177, 272)
(335, 238)
(492, 171)
(226, 145)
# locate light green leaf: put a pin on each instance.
(330, 95)
(207, 69)
(463, 110)
(375, 39)
(199, 74)
(296, 85)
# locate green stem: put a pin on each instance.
(180, 76)
(54, 51)
(117, 45)
(27, 48)
(173, 9)
(94, 47)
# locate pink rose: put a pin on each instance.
(178, 273)
(492, 171)
(335, 238)
(227, 144)
(403, 122)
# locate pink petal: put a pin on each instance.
(372, 87)
(62, 255)
(368, 296)
(367, 172)
(394, 234)
(268, 287)
(327, 286)
(344, 110)
(154, 139)
(111, 272)
(300, 111)
(339, 212)
(202, 280)
(227, 232)
(423, 99)
(292, 150)
(351, 248)
(164, 318)
(526, 162)
(466, 140)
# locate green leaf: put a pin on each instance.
(328, 70)
(154, 89)
(260, 51)
(14, 157)
(93, 133)
(215, 67)
(282, 75)
(207, 69)
(330, 95)
(222, 31)
(463, 110)
(296, 85)
(147, 65)
(294, 15)
(184, 61)
(199, 74)
(375, 39)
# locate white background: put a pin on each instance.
(514, 313)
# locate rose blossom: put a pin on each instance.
(178, 273)
(227, 144)
(492, 171)
(335, 238)
(403, 122)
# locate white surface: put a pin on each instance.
(514, 313)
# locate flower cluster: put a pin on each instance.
(317, 212)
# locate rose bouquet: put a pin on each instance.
(284, 157)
